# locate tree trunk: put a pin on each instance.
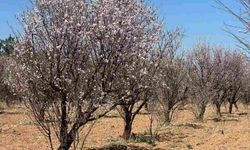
(69, 138)
(71, 135)
(146, 106)
(64, 146)
(218, 110)
(127, 130)
(63, 125)
(128, 124)
(201, 115)
(202, 110)
(167, 117)
(129, 116)
(230, 107)
(233, 101)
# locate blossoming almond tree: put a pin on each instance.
(234, 79)
(135, 87)
(7, 95)
(71, 56)
(228, 77)
(171, 87)
(220, 84)
(200, 77)
(136, 72)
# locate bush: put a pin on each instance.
(141, 138)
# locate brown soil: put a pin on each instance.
(230, 132)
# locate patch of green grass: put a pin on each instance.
(142, 138)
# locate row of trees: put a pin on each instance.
(207, 74)
(78, 60)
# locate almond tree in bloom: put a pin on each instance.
(134, 84)
(235, 79)
(73, 54)
(6, 50)
(135, 87)
(220, 84)
(171, 86)
(7, 95)
(228, 77)
(136, 72)
(200, 77)
(2, 83)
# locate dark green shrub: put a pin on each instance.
(142, 138)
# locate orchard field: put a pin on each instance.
(113, 75)
(231, 132)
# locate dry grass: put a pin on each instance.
(230, 132)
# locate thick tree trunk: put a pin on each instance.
(70, 138)
(128, 124)
(129, 116)
(127, 130)
(64, 146)
(71, 135)
(63, 125)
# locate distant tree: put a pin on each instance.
(235, 79)
(1, 45)
(2, 84)
(171, 87)
(6, 49)
(73, 57)
(228, 77)
(220, 84)
(7, 93)
(200, 77)
(7, 46)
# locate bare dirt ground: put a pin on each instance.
(231, 132)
